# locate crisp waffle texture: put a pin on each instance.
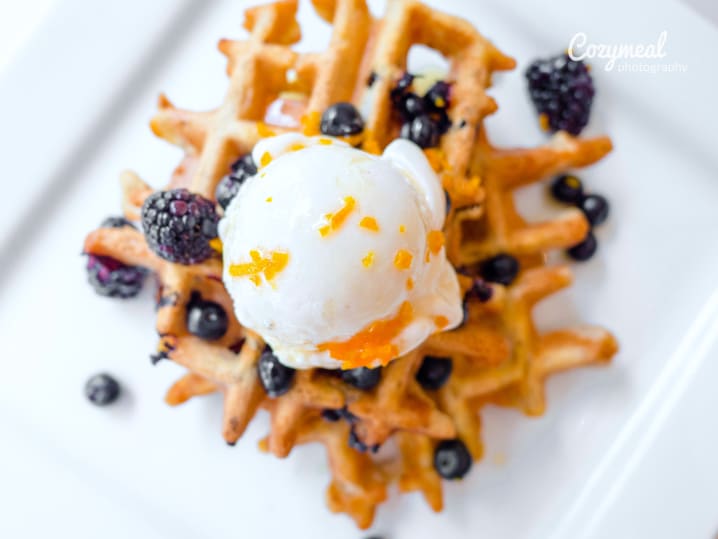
(498, 355)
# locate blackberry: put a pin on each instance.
(362, 377)
(595, 208)
(562, 92)
(112, 278)
(501, 269)
(434, 372)
(102, 389)
(340, 120)
(275, 377)
(228, 187)
(116, 222)
(451, 459)
(178, 225)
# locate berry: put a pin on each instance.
(178, 225)
(434, 372)
(410, 106)
(437, 97)
(362, 377)
(275, 377)
(422, 131)
(102, 389)
(501, 269)
(112, 278)
(356, 443)
(242, 169)
(451, 459)
(567, 188)
(595, 208)
(561, 90)
(206, 319)
(115, 222)
(584, 250)
(447, 196)
(402, 87)
(442, 121)
(480, 290)
(341, 119)
(332, 415)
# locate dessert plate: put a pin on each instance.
(623, 451)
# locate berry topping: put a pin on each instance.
(562, 92)
(434, 372)
(595, 208)
(371, 79)
(178, 225)
(410, 106)
(242, 169)
(451, 459)
(102, 389)
(437, 97)
(584, 250)
(112, 278)
(116, 222)
(332, 415)
(362, 377)
(341, 119)
(422, 131)
(501, 269)
(567, 188)
(402, 87)
(275, 377)
(206, 319)
(480, 290)
(356, 443)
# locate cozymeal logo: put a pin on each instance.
(626, 57)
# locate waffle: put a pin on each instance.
(498, 356)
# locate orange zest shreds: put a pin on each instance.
(325, 141)
(268, 199)
(543, 122)
(296, 147)
(336, 219)
(410, 284)
(265, 159)
(435, 241)
(368, 260)
(371, 146)
(441, 321)
(216, 244)
(310, 123)
(436, 159)
(264, 131)
(373, 343)
(402, 229)
(402, 260)
(269, 266)
(369, 223)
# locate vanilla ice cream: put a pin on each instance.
(335, 256)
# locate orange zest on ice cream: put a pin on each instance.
(269, 266)
(410, 284)
(296, 147)
(336, 219)
(216, 244)
(441, 321)
(325, 141)
(310, 123)
(435, 241)
(369, 223)
(402, 260)
(373, 343)
(265, 159)
(368, 260)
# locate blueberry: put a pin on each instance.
(102, 389)
(356, 443)
(447, 196)
(275, 377)
(451, 459)
(400, 88)
(437, 97)
(242, 169)
(480, 290)
(595, 208)
(206, 319)
(434, 372)
(331, 415)
(410, 106)
(362, 377)
(584, 250)
(341, 119)
(422, 131)
(501, 269)
(567, 188)
(116, 222)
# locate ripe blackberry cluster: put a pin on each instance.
(178, 225)
(562, 92)
(228, 187)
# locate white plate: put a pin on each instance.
(625, 451)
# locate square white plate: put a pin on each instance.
(625, 451)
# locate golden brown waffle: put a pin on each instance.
(497, 355)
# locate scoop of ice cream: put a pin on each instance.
(335, 256)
